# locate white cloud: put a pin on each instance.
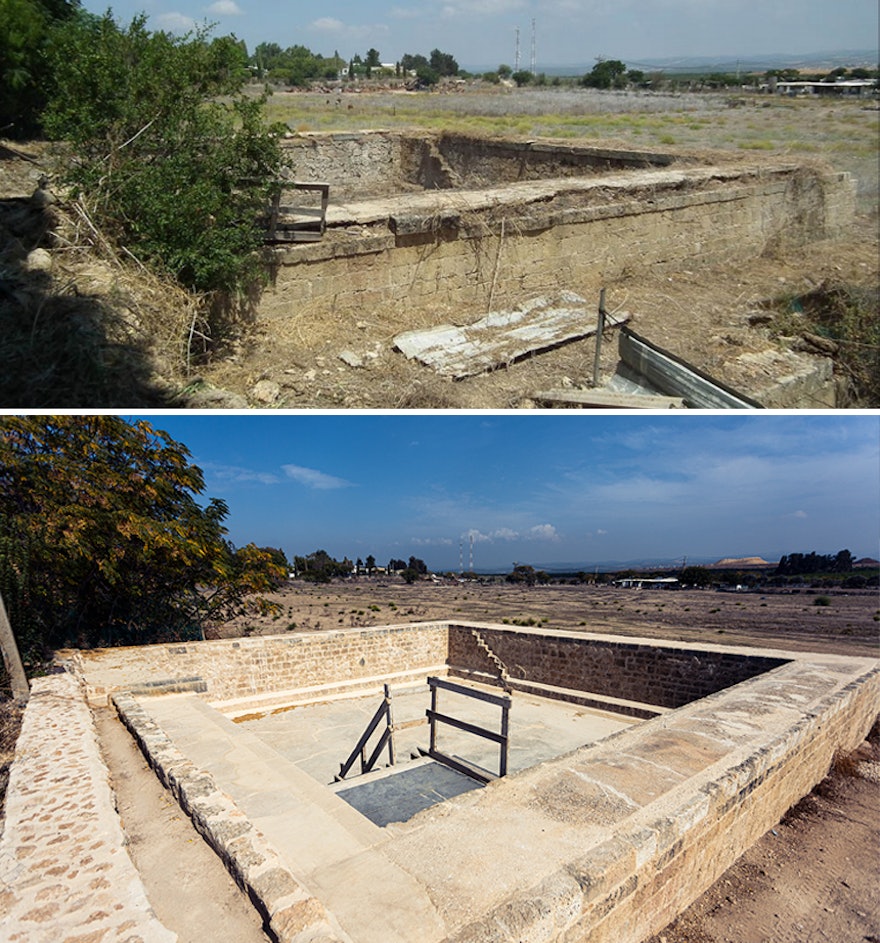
(800, 515)
(538, 532)
(237, 475)
(543, 532)
(327, 24)
(175, 22)
(225, 8)
(312, 478)
(454, 8)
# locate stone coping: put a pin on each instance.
(65, 874)
(293, 915)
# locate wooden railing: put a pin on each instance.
(501, 738)
(387, 739)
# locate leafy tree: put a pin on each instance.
(523, 77)
(418, 565)
(443, 63)
(103, 539)
(320, 567)
(171, 169)
(522, 573)
(695, 576)
(371, 564)
(606, 73)
(25, 73)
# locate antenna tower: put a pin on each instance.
(534, 60)
(471, 563)
(516, 53)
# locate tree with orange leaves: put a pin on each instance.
(103, 538)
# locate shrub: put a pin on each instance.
(176, 173)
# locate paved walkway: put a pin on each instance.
(65, 875)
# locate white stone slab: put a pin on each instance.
(500, 338)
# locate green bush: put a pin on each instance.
(172, 166)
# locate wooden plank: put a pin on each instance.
(439, 718)
(362, 742)
(499, 700)
(462, 766)
(502, 337)
(609, 399)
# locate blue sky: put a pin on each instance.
(481, 33)
(541, 488)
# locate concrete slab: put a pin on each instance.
(322, 840)
(402, 791)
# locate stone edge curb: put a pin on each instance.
(293, 915)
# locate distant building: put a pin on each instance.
(843, 87)
(638, 582)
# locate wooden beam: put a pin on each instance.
(609, 399)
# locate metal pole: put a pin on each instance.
(600, 330)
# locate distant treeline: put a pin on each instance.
(798, 564)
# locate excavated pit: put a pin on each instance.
(429, 230)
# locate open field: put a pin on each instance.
(843, 131)
(849, 625)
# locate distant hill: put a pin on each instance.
(742, 561)
(866, 563)
(806, 62)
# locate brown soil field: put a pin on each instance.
(849, 624)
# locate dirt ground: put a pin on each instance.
(849, 624)
(813, 878)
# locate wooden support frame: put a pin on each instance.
(302, 223)
(386, 739)
(501, 738)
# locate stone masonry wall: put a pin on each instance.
(65, 872)
(452, 263)
(660, 860)
(652, 674)
(239, 668)
(366, 164)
